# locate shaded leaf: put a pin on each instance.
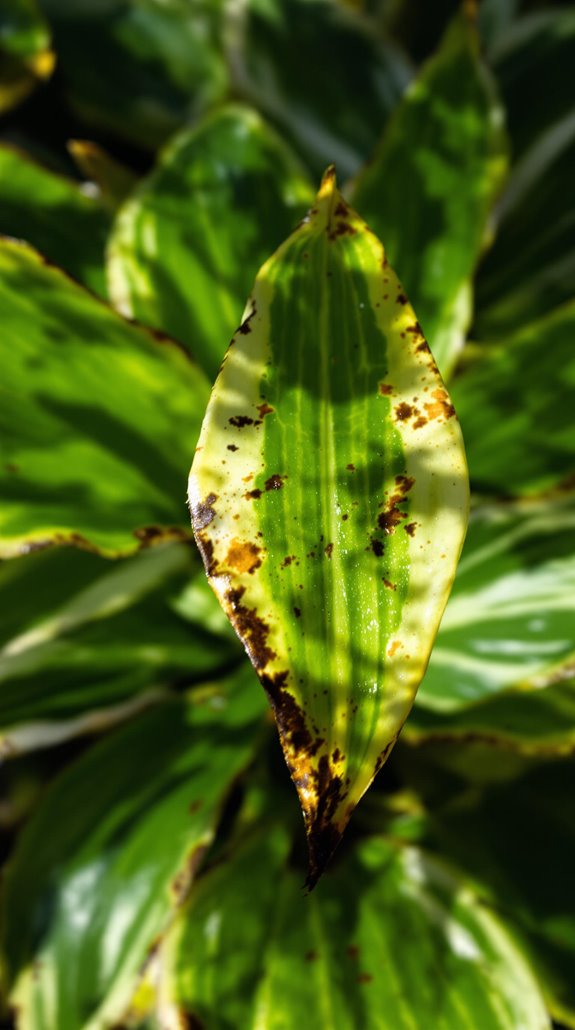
(533, 721)
(25, 54)
(390, 940)
(110, 853)
(515, 405)
(429, 190)
(531, 268)
(55, 215)
(510, 616)
(516, 842)
(187, 246)
(113, 180)
(97, 420)
(85, 642)
(325, 77)
(329, 500)
(139, 69)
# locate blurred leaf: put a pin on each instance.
(25, 54)
(187, 246)
(98, 420)
(494, 18)
(390, 940)
(139, 68)
(517, 842)
(323, 75)
(430, 188)
(113, 180)
(533, 721)
(510, 616)
(110, 853)
(85, 641)
(330, 510)
(56, 215)
(531, 268)
(515, 404)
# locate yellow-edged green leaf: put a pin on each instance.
(186, 247)
(429, 190)
(97, 418)
(329, 499)
(391, 940)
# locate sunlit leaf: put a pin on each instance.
(329, 500)
(187, 246)
(97, 418)
(85, 642)
(510, 616)
(140, 69)
(390, 941)
(429, 190)
(324, 76)
(55, 215)
(25, 54)
(110, 852)
(515, 403)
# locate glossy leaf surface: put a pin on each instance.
(515, 403)
(329, 500)
(140, 69)
(84, 640)
(510, 616)
(55, 216)
(187, 246)
(97, 419)
(111, 851)
(429, 190)
(304, 64)
(516, 842)
(25, 54)
(390, 941)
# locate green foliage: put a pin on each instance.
(154, 851)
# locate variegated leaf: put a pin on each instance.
(329, 500)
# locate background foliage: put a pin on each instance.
(155, 154)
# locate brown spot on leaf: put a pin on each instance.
(250, 627)
(385, 389)
(410, 528)
(389, 585)
(264, 409)
(240, 421)
(253, 495)
(420, 423)
(415, 329)
(389, 519)
(377, 547)
(393, 647)
(401, 298)
(232, 447)
(403, 411)
(243, 556)
(364, 978)
(328, 550)
(404, 483)
(287, 561)
(441, 406)
(204, 512)
(350, 467)
(297, 613)
(275, 482)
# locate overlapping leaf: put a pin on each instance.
(25, 54)
(139, 69)
(187, 246)
(389, 941)
(111, 851)
(324, 76)
(97, 418)
(53, 214)
(510, 617)
(515, 403)
(329, 499)
(430, 188)
(85, 642)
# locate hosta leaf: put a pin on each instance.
(111, 850)
(429, 190)
(97, 418)
(333, 108)
(516, 842)
(55, 216)
(329, 499)
(390, 941)
(25, 54)
(510, 616)
(187, 245)
(85, 641)
(515, 405)
(142, 68)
